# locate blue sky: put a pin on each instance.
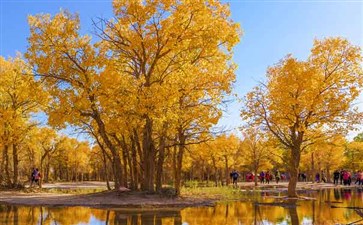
(272, 29)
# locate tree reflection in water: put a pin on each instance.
(339, 206)
(145, 218)
(293, 212)
(18, 215)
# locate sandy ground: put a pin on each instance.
(107, 199)
(34, 197)
(128, 199)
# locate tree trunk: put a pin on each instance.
(131, 168)
(7, 165)
(226, 170)
(125, 152)
(215, 171)
(114, 151)
(294, 170)
(2, 166)
(43, 157)
(124, 157)
(104, 160)
(118, 178)
(67, 174)
(179, 164)
(174, 164)
(138, 153)
(60, 174)
(41, 172)
(256, 177)
(312, 167)
(328, 174)
(292, 183)
(161, 158)
(160, 163)
(15, 165)
(221, 175)
(134, 163)
(149, 157)
(46, 177)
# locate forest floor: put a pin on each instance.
(94, 194)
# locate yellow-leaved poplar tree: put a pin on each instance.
(20, 97)
(158, 72)
(302, 97)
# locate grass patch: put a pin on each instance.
(74, 191)
(227, 193)
(219, 193)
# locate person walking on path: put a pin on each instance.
(317, 177)
(277, 176)
(359, 178)
(336, 176)
(234, 175)
(32, 177)
(303, 176)
(346, 178)
(268, 177)
(37, 177)
(341, 177)
(262, 177)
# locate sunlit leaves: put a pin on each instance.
(304, 96)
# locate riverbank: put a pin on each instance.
(115, 199)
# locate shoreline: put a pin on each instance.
(141, 200)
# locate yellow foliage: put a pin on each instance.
(302, 97)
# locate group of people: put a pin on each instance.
(302, 177)
(35, 177)
(267, 177)
(342, 177)
(263, 177)
(320, 176)
(345, 177)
